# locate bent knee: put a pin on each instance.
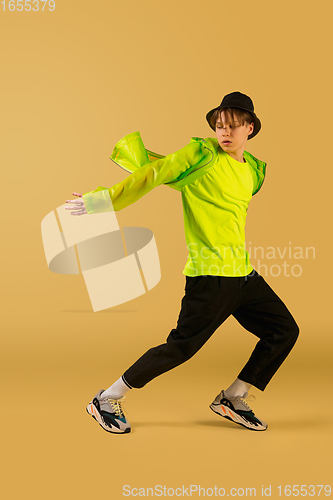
(294, 331)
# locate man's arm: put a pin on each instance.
(141, 181)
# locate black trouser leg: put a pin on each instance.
(264, 314)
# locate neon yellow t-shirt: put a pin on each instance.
(215, 209)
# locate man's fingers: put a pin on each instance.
(76, 202)
(79, 206)
(82, 212)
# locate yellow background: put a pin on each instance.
(75, 81)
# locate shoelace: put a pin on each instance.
(116, 406)
(249, 398)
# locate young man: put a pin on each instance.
(217, 179)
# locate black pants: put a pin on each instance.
(207, 303)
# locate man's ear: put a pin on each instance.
(252, 128)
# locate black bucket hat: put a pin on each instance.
(241, 101)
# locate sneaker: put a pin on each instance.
(237, 410)
(109, 414)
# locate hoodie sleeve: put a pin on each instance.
(143, 180)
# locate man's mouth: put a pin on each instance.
(226, 142)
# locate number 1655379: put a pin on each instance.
(28, 5)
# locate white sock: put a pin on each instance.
(237, 388)
(116, 390)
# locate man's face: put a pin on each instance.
(236, 136)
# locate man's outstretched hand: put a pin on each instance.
(79, 207)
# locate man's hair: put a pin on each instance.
(235, 114)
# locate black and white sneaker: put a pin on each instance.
(109, 413)
(237, 410)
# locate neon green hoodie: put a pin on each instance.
(216, 191)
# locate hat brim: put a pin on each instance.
(256, 121)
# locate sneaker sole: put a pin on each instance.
(92, 410)
(234, 417)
